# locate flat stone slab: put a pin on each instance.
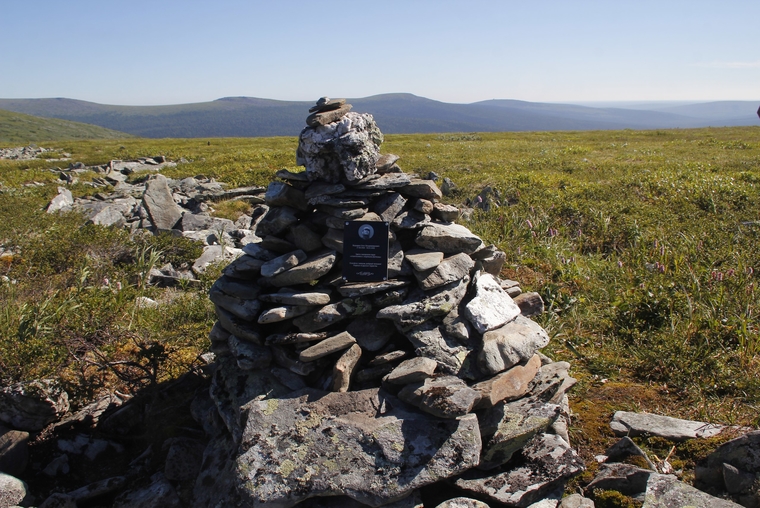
(289, 297)
(311, 269)
(328, 346)
(448, 238)
(422, 260)
(625, 423)
(548, 462)
(354, 289)
(665, 491)
(362, 444)
(449, 270)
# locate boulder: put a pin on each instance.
(386, 452)
(666, 491)
(13, 492)
(14, 451)
(158, 201)
(30, 406)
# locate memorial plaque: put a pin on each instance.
(365, 251)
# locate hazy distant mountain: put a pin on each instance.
(394, 113)
(25, 129)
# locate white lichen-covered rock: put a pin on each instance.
(348, 148)
(491, 307)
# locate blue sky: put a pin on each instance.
(146, 52)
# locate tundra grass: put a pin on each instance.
(643, 244)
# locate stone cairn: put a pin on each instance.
(373, 390)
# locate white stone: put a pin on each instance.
(491, 307)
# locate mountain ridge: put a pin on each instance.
(397, 113)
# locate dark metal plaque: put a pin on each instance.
(365, 251)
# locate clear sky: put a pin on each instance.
(147, 52)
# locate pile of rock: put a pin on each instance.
(159, 204)
(374, 390)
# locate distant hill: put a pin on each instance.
(394, 113)
(24, 129)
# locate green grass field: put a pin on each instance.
(644, 245)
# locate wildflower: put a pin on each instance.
(620, 264)
(529, 223)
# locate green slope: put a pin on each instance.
(24, 129)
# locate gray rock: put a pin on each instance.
(14, 451)
(446, 213)
(159, 494)
(247, 310)
(384, 182)
(242, 329)
(509, 385)
(386, 161)
(389, 206)
(410, 219)
(737, 482)
(347, 148)
(88, 446)
(508, 426)
(548, 462)
(249, 356)
(412, 371)
(515, 342)
(371, 334)
(333, 240)
(257, 251)
(576, 501)
(282, 194)
(448, 238)
(462, 502)
(354, 289)
(531, 304)
(552, 382)
(742, 453)
(451, 269)
(429, 341)
(665, 491)
(282, 313)
(318, 189)
(30, 406)
(290, 297)
(158, 201)
(625, 478)
(213, 254)
(420, 308)
(59, 500)
(97, 489)
(64, 200)
(491, 307)
(345, 367)
(109, 216)
(57, 466)
(625, 423)
(306, 239)
(276, 221)
(183, 460)
(203, 221)
(314, 267)
(444, 397)
(232, 388)
(624, 448)
(321, 318)
(426, 189)
(422, 260)
(326, 117)
(13, 492)
(326, 347)
(423, 206)
(371, 465)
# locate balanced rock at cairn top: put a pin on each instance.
(375, 388)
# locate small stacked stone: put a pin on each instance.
(327, 111)
(443, 333)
